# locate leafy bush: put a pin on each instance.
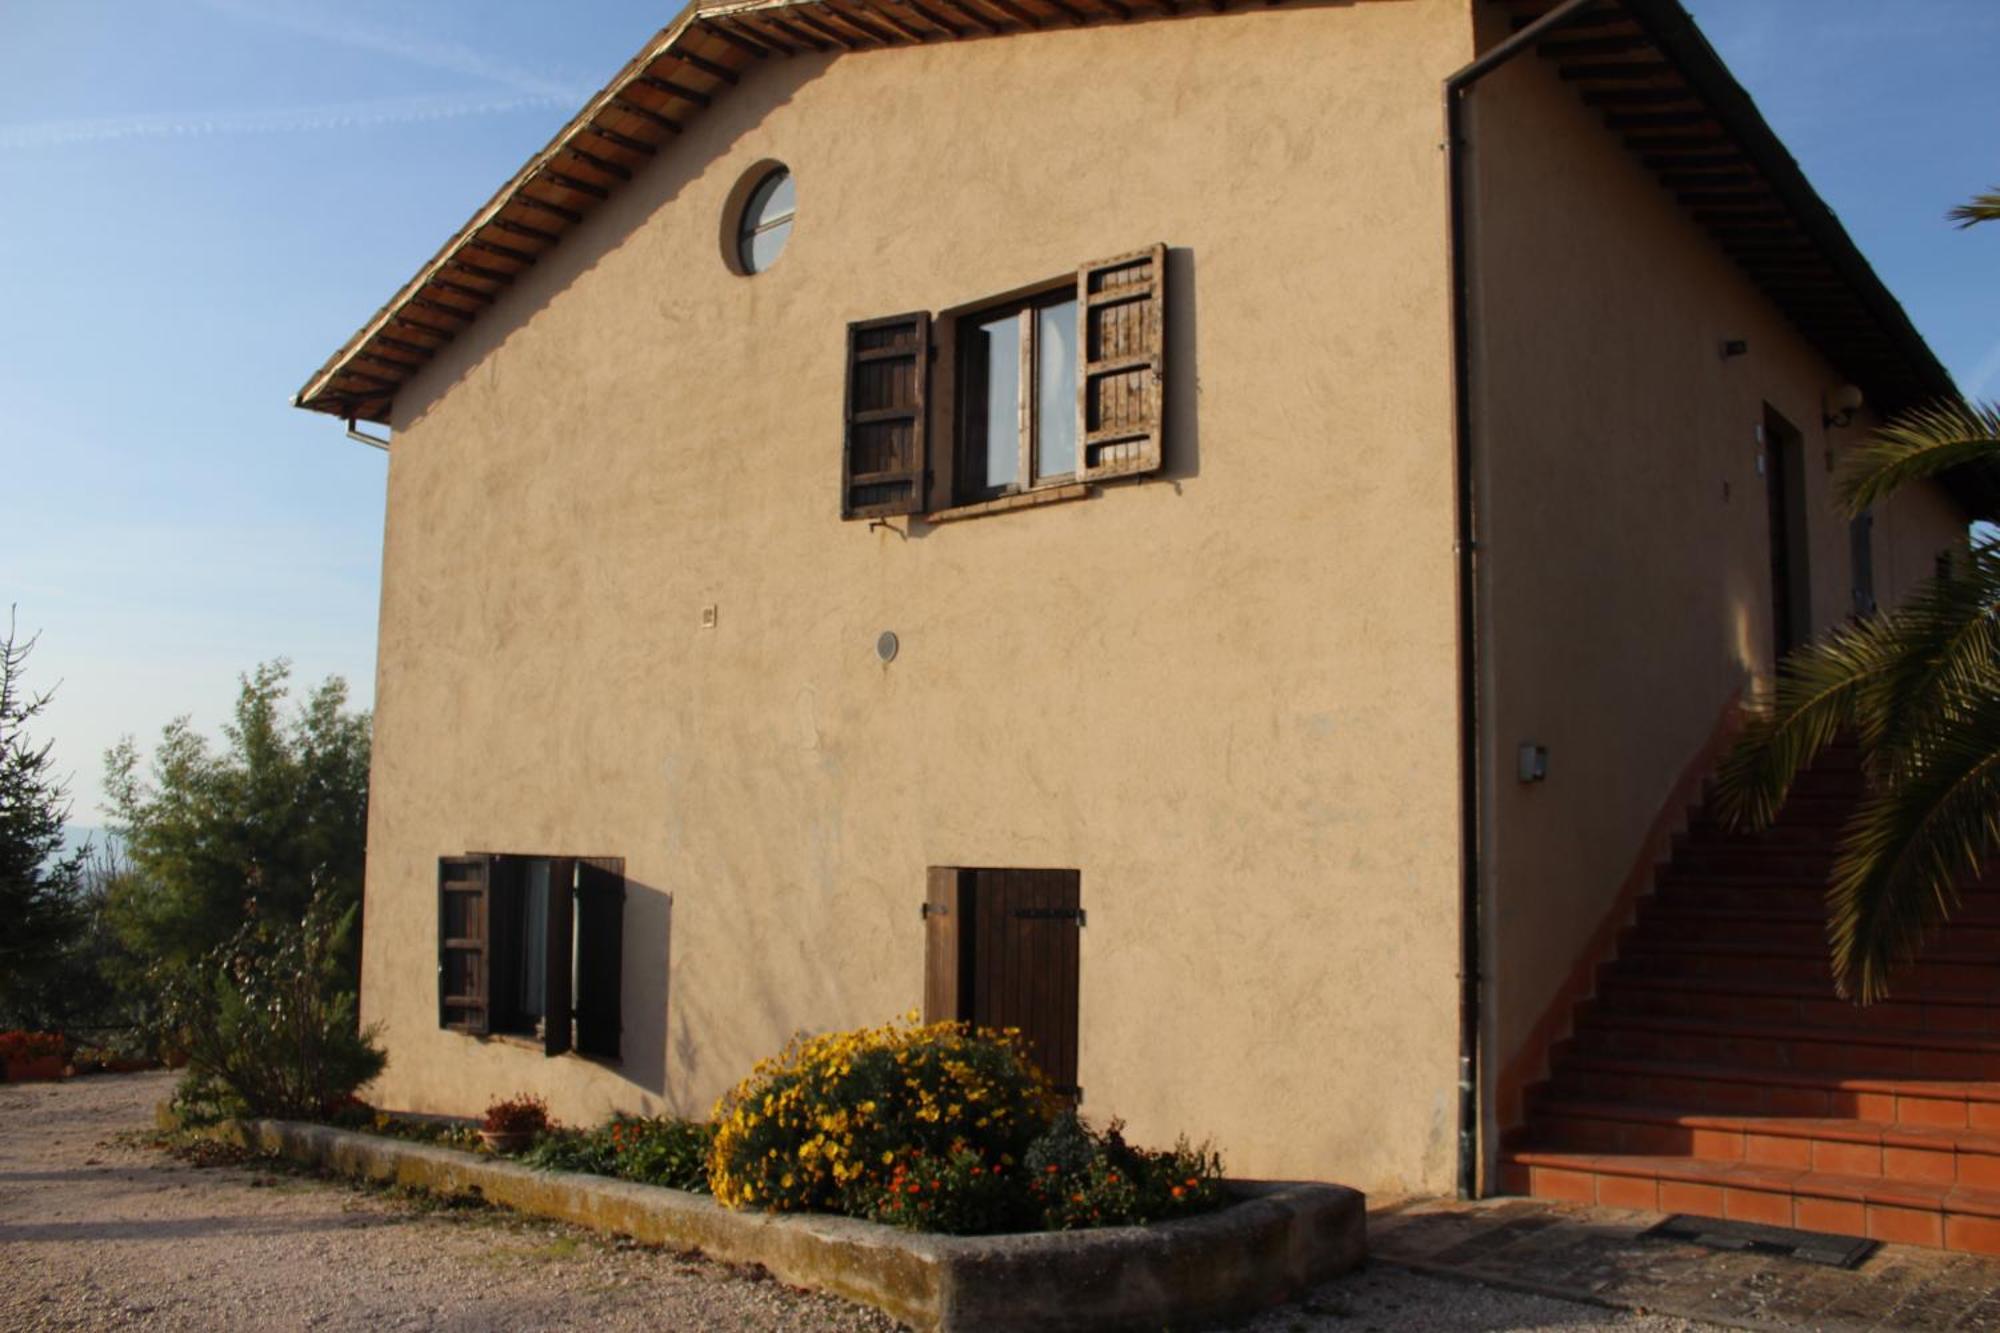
(265, 1020)
(824, 1125)
(1078, 1178)
(525, 1114)
(962, 1193)
(663, 1151)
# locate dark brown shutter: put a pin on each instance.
(945, 945)
(1121, 311)
(558, 960)
(883, 462)
(1025, 926)
(600, 952)
(465, 955)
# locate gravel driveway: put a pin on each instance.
(99, 1231)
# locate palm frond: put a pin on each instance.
(1917, 444)
(1983, 208)
(1908, 847)
(1819, 689)
(1944, 647)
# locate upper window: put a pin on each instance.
(766, 221)
(1055, 387)
(532, 946)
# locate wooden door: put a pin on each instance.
(1001, 951)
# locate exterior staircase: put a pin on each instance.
(1715, 1072)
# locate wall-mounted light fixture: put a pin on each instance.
(1841, 405)
(1734, 347)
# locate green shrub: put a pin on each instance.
(266, 1021)
(664, 1151)
(825, 1124)
(1078, 1178)
(961, 1193)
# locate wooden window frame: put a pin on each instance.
(1023, 304)
(583, 945)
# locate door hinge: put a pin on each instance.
(929, 910)
(1052, 914)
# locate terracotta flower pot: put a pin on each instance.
(506, 1142)
(39, 1069)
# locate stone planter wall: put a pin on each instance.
(1273, 1244)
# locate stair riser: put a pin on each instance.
(1838, 1054)
(1663, 922)
(1934, 1166)
(1699, 1093)
(1622, 997)
(1925, 978)
(1803, 901)
(1840, 1217)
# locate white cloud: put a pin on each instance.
(276, 120)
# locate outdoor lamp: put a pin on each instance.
(1842, 404)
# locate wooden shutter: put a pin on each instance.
(559, 957)
(1025, 926)
(883, 461)
(945, 945)
(600, 953)
(1121, 311)
(465, 940)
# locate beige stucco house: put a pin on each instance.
(1226, 534)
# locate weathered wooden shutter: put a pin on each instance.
(1025, 926)
(945, 899)
(465, 939)
(1121, 311)
(600, 953)
(559, 957)
(883, 461)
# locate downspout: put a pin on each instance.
(1472, 826)
(359, 436)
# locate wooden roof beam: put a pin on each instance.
(596, 163)
(716, 28)
(1572, 47)
(480, 271)
(485, 246)
(643, 112)
(708, 67)
(1016, 13)
(672, 89)
(404, 345)
(1619, 71)
(856, 22)
(881, 14)
(526, 200)
(966, 11)
(624, 141)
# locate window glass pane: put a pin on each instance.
(534, 937)
(760, 249)
(767, 221)
(1055, 390)
(1000, 354)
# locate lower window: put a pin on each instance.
(532, 946)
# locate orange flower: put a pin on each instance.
(1178, 1191)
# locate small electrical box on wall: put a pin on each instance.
(1534, 762)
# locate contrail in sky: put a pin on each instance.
(277, 120)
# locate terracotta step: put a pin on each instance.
(1955, 1217)
(1735, 1090)
(1905, 1054)
(1802, 1005)
(1805, 902)
(1804, 1143)
(1939, 971)
(1975, 931)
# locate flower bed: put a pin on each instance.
(33, 1056)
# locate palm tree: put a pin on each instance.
(1918, 689)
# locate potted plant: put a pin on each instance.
(511, 1125)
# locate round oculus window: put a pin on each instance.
(766, 223)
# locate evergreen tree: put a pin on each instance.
(40, 912)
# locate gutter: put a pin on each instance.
(1472, 824)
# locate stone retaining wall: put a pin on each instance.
(1276, 1242)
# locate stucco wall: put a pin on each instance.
(1625, 549)
(1225, 694)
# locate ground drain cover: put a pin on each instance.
(1811, 1246)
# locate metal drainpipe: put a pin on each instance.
(1471, 802)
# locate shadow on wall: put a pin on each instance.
(645, 986)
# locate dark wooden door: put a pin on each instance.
(1002, 952)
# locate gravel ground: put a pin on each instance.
(98, 1230)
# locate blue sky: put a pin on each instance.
(205, 197)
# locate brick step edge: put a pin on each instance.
(1954, 1219)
